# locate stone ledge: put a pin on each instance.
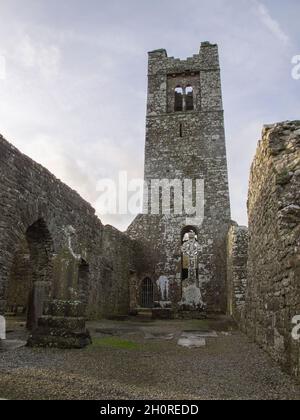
(73, 341)
(163, 313)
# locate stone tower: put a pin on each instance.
(185, 140)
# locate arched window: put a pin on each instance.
(189, 98)
(178, 103)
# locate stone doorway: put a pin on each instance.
(147, 293)
(30, 275)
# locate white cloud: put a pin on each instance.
(25, 53)
(2, 67)
(270, 23)
(49, 61)
(38, 56)
(74, 93)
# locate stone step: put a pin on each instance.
(62, 323)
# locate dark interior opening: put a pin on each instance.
(147, 293)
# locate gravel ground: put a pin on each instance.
(229, 367)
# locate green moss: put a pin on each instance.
(114, 342)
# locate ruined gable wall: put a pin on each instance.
(28, 192)
(273, 292)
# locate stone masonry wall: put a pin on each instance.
(273, 292)
(86, 258)
(237, 256)
(187, 145)
(20, 281)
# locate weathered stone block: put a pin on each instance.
(65, 308)
(163, 313)
(74, 341)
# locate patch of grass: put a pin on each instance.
(114, 342)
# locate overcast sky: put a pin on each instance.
(74, 95)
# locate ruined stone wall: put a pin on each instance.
(273, 292)
(188, 145)
(20, 281)
(237, 257)
(83, 256)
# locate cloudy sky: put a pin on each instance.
(74, 93)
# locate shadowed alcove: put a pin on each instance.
(30, 275)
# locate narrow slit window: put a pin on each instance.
(180, 130)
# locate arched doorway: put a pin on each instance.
(147, 293)
(30, 276)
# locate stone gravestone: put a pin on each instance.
(2, 328)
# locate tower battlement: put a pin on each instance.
(200, 72)
(206, 59)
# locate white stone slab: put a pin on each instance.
(200, 334)
(192, 342)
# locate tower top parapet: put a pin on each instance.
(206, 59)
